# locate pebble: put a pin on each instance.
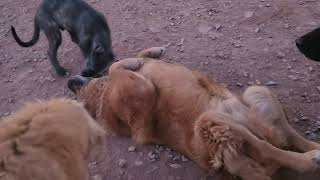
(175, 165)
(304, 118)
(293, 77)
(318, 88)
(310, 68)
(218, 26)
(6, 113)
(257, 30)
(239, 84)
(152, 156)
(248, 14)
(286, 26)
(138, 163)
(184, 159)
(176, 158)
(96, 177)
(159, 148)
(10, 100)
(122, 163)
(271, 83)
(280, 55)
(132, 149)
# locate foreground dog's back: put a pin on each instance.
(47, 141)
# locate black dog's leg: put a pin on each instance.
(54, 38)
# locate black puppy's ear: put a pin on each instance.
(77, 82)
(98, 49)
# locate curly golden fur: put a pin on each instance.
(47, 140)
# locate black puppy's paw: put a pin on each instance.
(77, 82)
(62, 72)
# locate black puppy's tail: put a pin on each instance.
(33, 41)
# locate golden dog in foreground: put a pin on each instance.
(47, 140)
(156, 102)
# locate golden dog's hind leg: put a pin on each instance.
(265, 104)
(258, 149)
(133, 98)
(226, 150)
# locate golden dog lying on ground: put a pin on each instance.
(156, 102)
(47, 141)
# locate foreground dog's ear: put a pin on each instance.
(98, 49)
(77, 82)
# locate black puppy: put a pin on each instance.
(309, 44)
(87, 28)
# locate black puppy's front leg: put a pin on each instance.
(54, 37)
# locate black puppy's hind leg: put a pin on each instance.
(54, 38)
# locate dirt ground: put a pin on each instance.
(238, 42)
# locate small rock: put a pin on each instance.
(212, 35)
(312, 136)
(286, 26)
(248, 14)
(152, 156)
(184, 159)
(138, 163)
(218, 26)
(221, 55)
(7, 113)
(175, 165)
(293, 77)
(176, 158)
(239, 84)
(132, 149)
(268, 5)
(96, 177)
(304, 118)
(257, 30)
(160, 148)
(245, 74)
(310, 68)
(122, 163)
(318, 88)
(10, 100)
(280, 55)
(271, 83)
(250, 83)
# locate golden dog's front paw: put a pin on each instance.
(154, 52)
